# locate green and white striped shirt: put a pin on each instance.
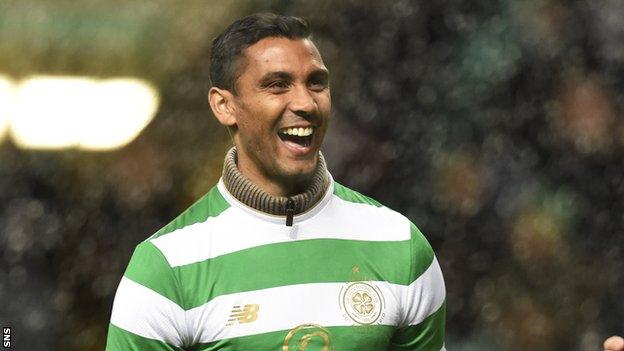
(349, 274)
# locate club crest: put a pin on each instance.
(362, 302)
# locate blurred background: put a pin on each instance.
(495, 125)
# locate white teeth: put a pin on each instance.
(298, 131)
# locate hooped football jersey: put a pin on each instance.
(349, 274)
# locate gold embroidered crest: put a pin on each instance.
(362, 302)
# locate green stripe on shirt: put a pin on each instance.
(422, 253)
(209, 205)
(425, 336)
(293, 262)
(347, 194)
(360, 338)
(297, 262)
(121, 340)
(149, 268)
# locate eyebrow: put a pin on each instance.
(272, 76)
(320, 73)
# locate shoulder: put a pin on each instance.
(392, 225)
(369, 214)
(183, 240)
(353, 196)
(212, 204)
(420, 245)
(360, 204)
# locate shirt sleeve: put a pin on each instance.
(147, 310)
(423, 325)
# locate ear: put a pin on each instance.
(223, 106)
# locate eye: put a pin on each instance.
(279, 85)
(317, 84)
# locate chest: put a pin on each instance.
(359, 315)
(312, 293)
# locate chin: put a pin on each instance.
(298, 170)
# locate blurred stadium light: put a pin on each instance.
(6, 91)
(57, 112)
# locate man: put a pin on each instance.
(277, 255)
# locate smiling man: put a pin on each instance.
(277, 255)
(277, 110)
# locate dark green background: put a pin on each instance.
(496, 126)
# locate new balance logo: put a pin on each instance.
(247, 314)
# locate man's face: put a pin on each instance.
(282, 107)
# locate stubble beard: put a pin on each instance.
(264, 168)
(297, 181)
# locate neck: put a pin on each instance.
(272, 198)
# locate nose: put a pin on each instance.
(302, 103)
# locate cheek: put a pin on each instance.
(266, 113)
(324, 103)
(259, 119)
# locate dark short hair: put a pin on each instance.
(228, 47)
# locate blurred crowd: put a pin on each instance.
(496, 126)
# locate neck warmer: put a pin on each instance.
(251, 195)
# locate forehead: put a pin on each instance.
(281, 54)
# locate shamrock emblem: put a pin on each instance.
(362, 303)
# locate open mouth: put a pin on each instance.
(300, 136)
